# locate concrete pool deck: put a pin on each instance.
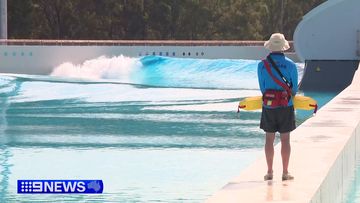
(323, 158)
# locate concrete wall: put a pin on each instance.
(325, 149)
(43, 59)
(330, 32)
(334, 75)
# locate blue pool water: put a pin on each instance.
(154, 129)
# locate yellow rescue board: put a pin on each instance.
(300, 102)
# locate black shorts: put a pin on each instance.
(280, 120)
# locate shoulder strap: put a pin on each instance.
(282, 84)
(279, 72)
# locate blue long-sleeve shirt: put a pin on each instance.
(286, 66)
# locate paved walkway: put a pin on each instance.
(318, 162)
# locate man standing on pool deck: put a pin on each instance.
(278, 79)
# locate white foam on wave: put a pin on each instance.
(117, 67)
(221, 107)
(168, 99)
(7, 84)
(300, 69)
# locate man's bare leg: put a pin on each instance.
(285, 150)
(269, 151)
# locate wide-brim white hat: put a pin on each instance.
(277, 42)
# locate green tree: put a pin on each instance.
(155, 19)
(20, 16)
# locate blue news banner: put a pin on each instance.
(60, 186)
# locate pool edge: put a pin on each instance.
(324, 153)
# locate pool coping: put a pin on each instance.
(323, 158)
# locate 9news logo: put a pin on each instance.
(59, 186)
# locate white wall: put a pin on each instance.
(329, 32)
(43, 59)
